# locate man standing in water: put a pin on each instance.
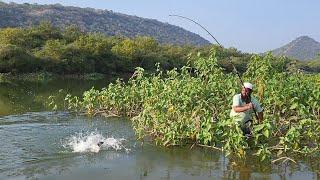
(242, 109)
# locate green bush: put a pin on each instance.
(15, 59)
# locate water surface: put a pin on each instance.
(37, 143)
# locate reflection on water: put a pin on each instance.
(21, 96)
(39, 144)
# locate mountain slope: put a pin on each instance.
(94, 20)
(302, 48)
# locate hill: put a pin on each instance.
(303, 48)
(96, 20)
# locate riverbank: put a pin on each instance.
(45, 77)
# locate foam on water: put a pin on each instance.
(88, 142)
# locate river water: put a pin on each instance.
(37, 143)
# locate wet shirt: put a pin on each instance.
(246, 115)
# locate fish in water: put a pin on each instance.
(100, 143)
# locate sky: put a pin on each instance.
(253, 26)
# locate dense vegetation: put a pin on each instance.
(192, 105)
(95, 20)
(45, 48)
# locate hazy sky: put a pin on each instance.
(248, 25)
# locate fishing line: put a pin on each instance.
(234, 68)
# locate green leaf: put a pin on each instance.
(294, 106)
(259, 127)
(266, 133)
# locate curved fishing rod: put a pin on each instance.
(198, 25)
(235, 69)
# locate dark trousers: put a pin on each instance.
(246, 127)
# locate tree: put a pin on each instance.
(16, 60)
(71, 33)
(52, 49)
(14, 36)
(125, 49)
(38, 35)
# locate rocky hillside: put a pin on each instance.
(302, 48)
(94, 20)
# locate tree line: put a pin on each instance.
(45, 48)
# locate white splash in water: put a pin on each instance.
(89, 142)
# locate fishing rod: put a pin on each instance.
(234, 68)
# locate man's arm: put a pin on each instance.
(242, 108)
